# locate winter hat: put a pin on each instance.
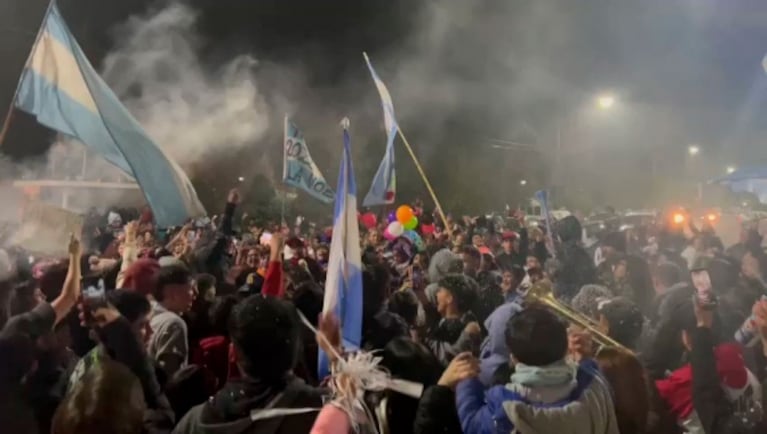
(442, 263)
(625, 320)
(141, 276)
(588, 298)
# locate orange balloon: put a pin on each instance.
(404, 214)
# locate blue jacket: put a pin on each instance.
(494, 351)
(583, 406)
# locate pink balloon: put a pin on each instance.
(388, 235)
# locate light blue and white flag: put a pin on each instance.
(384, 187)
(299, 169)
(64, 92)
(343, 285)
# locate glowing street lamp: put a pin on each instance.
(523, 182)
(606, 101)
(241, 178)
(693, 150)
(731, 169)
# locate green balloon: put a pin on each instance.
(412, 224)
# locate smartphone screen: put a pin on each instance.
(416, 276)
(702, 283)
(94, 296)
(265, 238)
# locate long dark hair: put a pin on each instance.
(627, 377)
(108, 399)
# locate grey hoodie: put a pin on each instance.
(443, 262)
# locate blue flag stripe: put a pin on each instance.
(343, 286)
(60, 87)
(383, 188)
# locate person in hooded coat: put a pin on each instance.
(442, 263)
(494, 353)
(264, 399)
(575, 266)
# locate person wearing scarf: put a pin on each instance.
(545, 394)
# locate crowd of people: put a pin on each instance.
(216, 328)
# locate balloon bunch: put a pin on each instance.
(403, 223)
(401, 220)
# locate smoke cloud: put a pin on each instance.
(189, 109)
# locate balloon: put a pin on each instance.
(427, 229)
(396, 229)
(393, 216)
(369, 220)
(412, 224)
(388, 235)
(404, 214)
(416, 239)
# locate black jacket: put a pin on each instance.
(447, 339)
(437, 412)
(232, 409)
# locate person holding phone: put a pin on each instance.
(701, 281)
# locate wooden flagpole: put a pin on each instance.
(426, 182)
(8, 116)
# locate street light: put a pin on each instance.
(523, 182)
(693, 150)
(606, 101)
(731, 169)
(241, 178)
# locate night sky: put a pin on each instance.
(464, 71)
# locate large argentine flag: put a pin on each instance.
(343, 285)
(60, 87)
(384, 186)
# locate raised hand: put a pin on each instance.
(74, 248)
(463, 366)
(131, 230)
(234, 196)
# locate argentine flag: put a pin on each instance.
(343, 285)
(64, 92)
(384, 186)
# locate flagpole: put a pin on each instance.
(12, 105)
(426, 181)
(8, 116)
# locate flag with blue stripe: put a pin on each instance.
(343, 285)
(64, 92)
(384, 187)
(299, 170)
